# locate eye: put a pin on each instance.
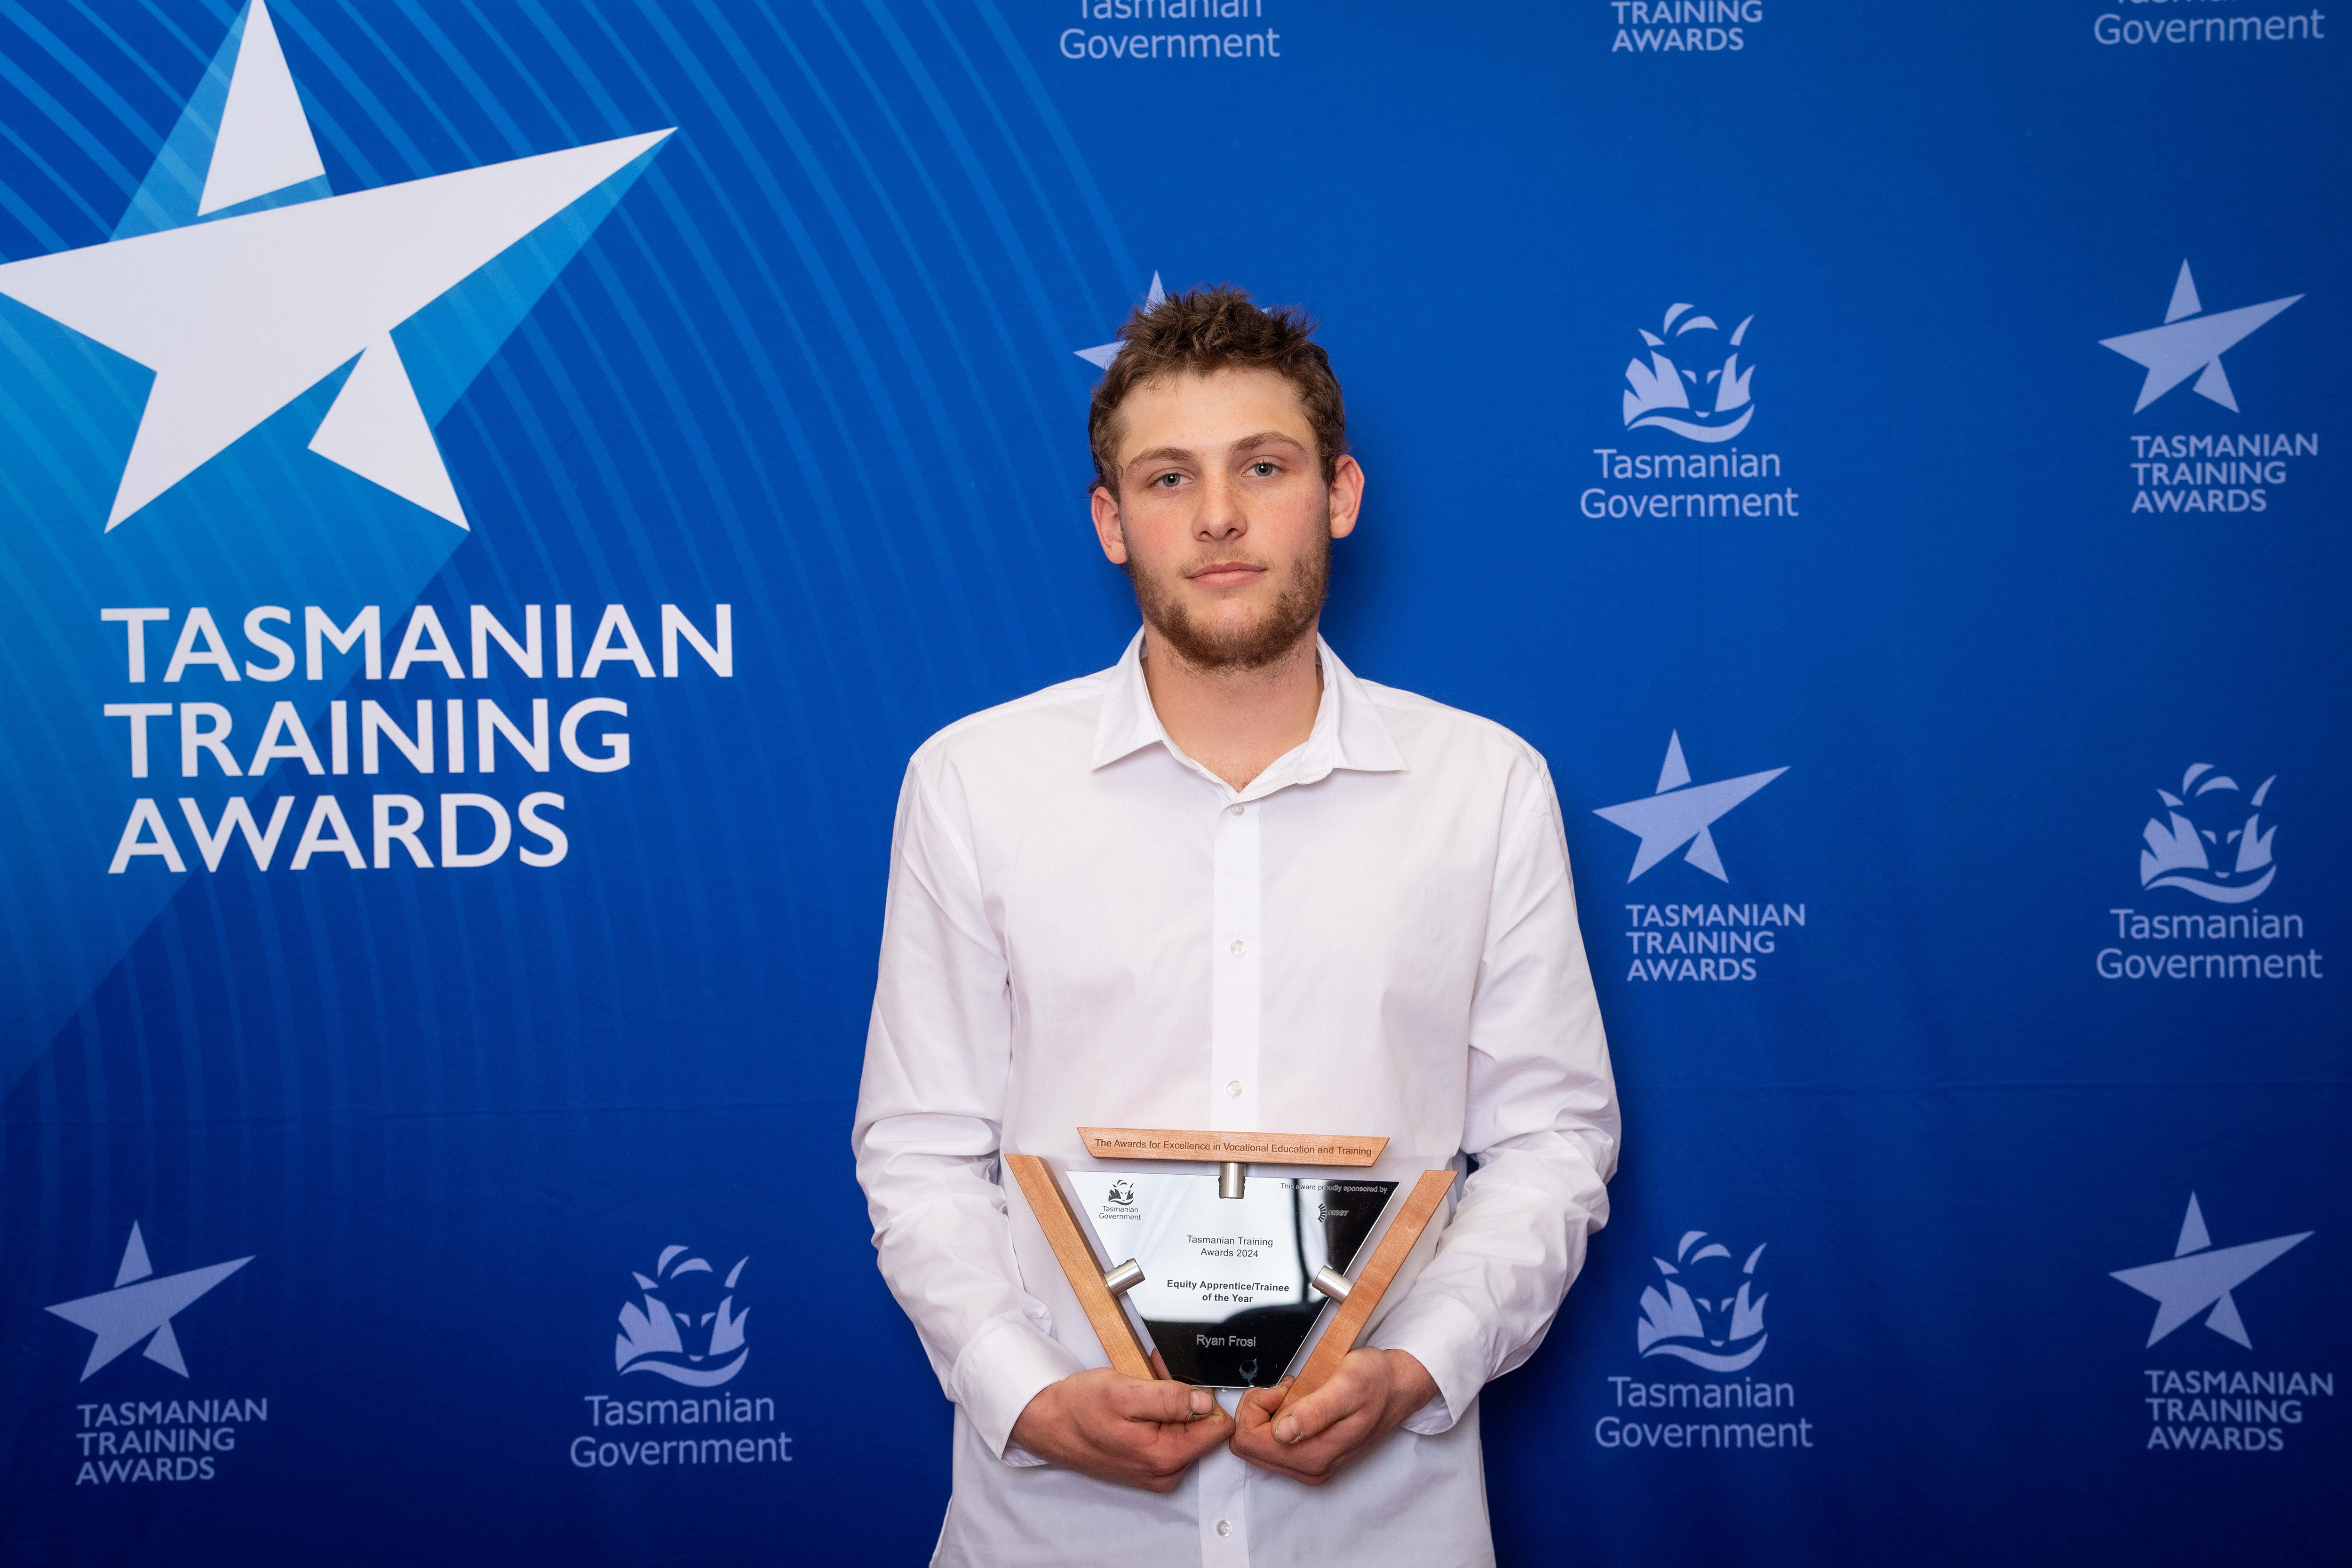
(1167, 481)
(1263, 469)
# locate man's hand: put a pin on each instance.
(1135, 1432)
(1366, 1399)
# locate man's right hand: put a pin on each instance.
(1134, 1431)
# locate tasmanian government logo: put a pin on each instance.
(676, 1334)
(1119, 1202)
(180, 1438)
(1718, 1329)
(1717, 939)
(1664, 396)
(2205, 860)
(1705, 1309)
(2229, 1408)
(241, 281)
(1692, 384)
(2203, 470)
(684, 1329)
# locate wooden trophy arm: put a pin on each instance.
(1348, 1322)
(1060, 1224)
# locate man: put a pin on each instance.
(1226, 884)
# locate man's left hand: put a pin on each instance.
(1318, 1436)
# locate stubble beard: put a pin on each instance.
(1286, 624)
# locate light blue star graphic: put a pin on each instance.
(141, 1304)
(244, 288)
(2199, 1275)
(1680, 813)
(237, 393)
(1101, 354)
(2190, 342)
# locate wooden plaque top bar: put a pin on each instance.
(1254, 1148)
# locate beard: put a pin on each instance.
(1253, 646)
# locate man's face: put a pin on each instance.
(1221, 516)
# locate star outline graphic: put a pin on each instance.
(2191, 342)
(1679, 813)
(141, 1306)
(2200, 1278)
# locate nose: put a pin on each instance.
(1220, 519)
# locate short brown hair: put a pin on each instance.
(1209, 330)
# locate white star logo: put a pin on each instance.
(1680, 813)
(140, 1305)
(2189, 342)
(1101, 354)
(238, 314)
(2199, 1275)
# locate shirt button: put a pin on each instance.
(1224, 1527)
(1234, 1088)
(1240, 947)
(1235, 808)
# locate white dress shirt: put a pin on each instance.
(1378, 936)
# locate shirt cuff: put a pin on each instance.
(1002, 1368)
(1447, 1339)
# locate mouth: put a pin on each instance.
(1225, 573)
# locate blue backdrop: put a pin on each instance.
(1939, 405)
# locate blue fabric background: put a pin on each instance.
(819, 364)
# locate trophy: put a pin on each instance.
(1230, 1274)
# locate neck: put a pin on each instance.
(1234, 722)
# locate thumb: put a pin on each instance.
(1167, 1402)
(1303, 1418)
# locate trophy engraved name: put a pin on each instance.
(1230, 1274)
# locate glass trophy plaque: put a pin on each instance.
(1229, 1272)
(1228, 1290)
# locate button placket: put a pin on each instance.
(1223, 1483)
(1236, 958)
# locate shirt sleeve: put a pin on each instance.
(930, 1116)
(1541, 1123)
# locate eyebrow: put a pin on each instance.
(1246, 444)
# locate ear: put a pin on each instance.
(1107, 532)
(1346, 495)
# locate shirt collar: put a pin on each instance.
(1348, 731)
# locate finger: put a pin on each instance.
(1260, 1449)
(1134, 1399)
(1160, 1466)
(1303, 1477)
(1258, 1404)
(1313, 1461)
(1211, 1432)
(1307, 1418)
(1256, 1442)
(1169, 1447)
(1255, 1439)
